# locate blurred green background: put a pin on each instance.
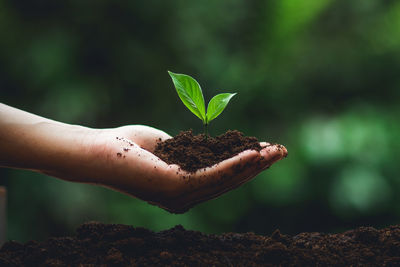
(321, 77)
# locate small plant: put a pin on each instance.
(189, 91)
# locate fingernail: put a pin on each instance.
(283, 150)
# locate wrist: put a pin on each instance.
(67, 151)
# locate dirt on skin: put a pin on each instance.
(122, 245)
(193, 152)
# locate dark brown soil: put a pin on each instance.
(122, 245)
(193, 152)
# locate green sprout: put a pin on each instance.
(190, 93)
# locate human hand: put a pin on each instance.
(123, 160)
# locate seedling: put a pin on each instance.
(189, 91)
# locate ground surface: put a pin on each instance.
(114, 244)
(193, 152)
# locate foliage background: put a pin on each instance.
(321, 77)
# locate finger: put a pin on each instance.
(264, 144)
(209, 182)
(271, 154)
(241, 165)
(232, 173)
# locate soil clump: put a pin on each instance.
(193, 152)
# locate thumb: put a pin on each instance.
(145, 136)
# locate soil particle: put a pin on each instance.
(122, 245)
(193, 152)
(124, 140)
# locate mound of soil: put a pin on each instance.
(193, 152)
(122, 245)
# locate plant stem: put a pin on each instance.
(206, 131)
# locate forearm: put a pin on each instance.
(11, 115)
(29, 141)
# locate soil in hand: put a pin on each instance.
(121, 245)
(193, 152)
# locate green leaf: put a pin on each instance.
(217, 104)
(190, 93)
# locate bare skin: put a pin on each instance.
(122, 159)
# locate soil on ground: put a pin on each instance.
(193, 152)
(121, 245)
